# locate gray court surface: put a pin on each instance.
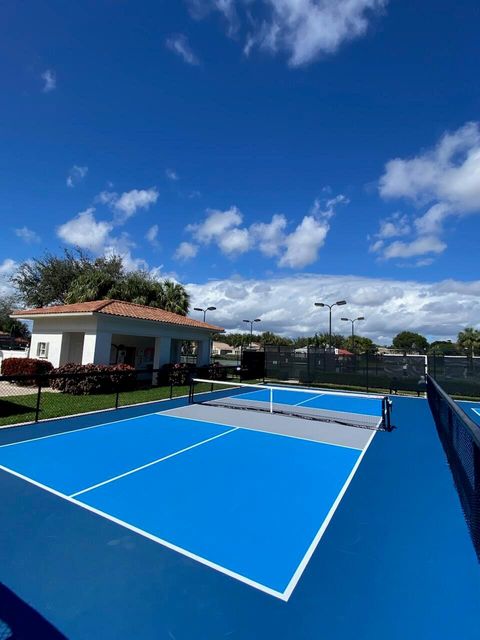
(316, 430)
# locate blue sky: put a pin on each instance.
(266, 153)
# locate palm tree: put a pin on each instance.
(175, 298)
(469, 339)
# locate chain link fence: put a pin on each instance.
(27, 398)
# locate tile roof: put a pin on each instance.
(120, 308)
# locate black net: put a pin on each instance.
(460, 437)
(369, 412)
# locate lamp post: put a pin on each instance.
(353, 320)
(251, 327)
(204, 311)
(339, 303)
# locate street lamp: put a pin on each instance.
(204, 311)
(251, 327)
(339, 303)
(353, 320)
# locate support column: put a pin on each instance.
(203, 352)
(161, 355)
(96, 348)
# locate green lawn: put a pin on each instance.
(15, 409)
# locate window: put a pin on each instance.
(42, 349)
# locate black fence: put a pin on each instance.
(28, 398)
(362, 371)
(460, 437)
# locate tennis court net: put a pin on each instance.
(353, 410)
(460, 437)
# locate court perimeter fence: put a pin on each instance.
(458, 375)
(32, 398)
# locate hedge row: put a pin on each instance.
(87, 379)
(26, 367)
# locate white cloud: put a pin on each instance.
(285, 305)
(304, 243)
(186, 251)
(270, 236)
(418, 247)
(85, 231)
(446, 179)
(131, 201)
(171, 174)
(293, 250)
(152, 234)
(303, 29)
(179, 45)
(76, 175)
(27, 235)
(49, 78)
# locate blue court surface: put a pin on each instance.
(176, 521)
(472, 409)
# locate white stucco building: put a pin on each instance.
(112, 331)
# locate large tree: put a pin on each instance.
(444, 347)
(47, 280)
(410, 341)
(76, 277)
(9, 325)
(360, 345)
(469, 340)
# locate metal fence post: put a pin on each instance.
(366, 369)
(39, 394)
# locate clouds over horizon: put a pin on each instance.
(304, 30)
(295, 249)
(441, 183)
(286, 305)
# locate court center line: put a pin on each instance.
(477, 411)
(317, 395)
(150, 464)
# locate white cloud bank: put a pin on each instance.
(7, 269)
(303, 29)
(295, 249)
(442, 182)
(286, 305)
(27, 235)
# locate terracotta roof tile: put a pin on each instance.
(120, 308)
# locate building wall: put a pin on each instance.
(98, 332)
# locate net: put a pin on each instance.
(460, 437)
(353, 410)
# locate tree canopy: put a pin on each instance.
(76, 277)
(410, 341)
(469, 340)
(9, 325)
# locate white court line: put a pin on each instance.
(150, 536)
(310, 551)
(65, 433)
(272, 433)
(477, 411)
(308, 399)
(150, 464)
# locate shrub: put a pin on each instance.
(87, 379)
(179, 374)
(26, 367)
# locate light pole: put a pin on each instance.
(251, 327)
(353, 320)
(204, 311)
(339, 303)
